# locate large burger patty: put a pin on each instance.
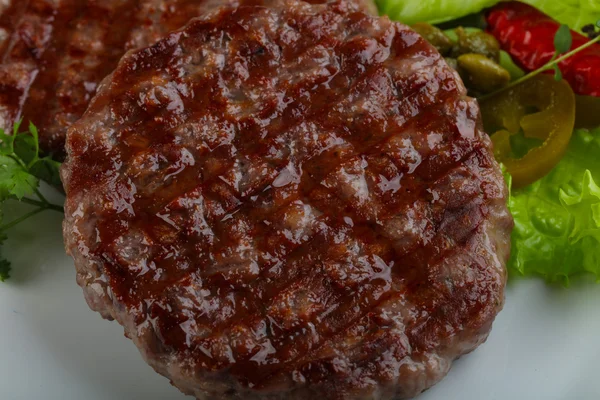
(54, 53)
(289, 202)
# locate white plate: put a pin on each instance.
(544, 345)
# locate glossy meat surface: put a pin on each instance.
(54, 53)
(289, 202)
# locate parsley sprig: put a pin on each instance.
(21, 170)
(563, 40)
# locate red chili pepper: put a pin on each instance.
(527, 35)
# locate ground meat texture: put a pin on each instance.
(54, 53)
(289, 202)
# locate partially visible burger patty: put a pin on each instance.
(289, 202)
(54, 53)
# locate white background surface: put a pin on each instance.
(544, 345)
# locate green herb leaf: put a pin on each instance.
(4, 264)
(6, 143)
(4, 269)
(557, 73)
(17, 127)
(8, 168)
(563, 40)
(21, 169)
(23, 184)
(15, 180)
(48, 170)
(24, 146)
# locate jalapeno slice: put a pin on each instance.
(552, 121)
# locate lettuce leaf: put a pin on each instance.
(432, 11)
(557, 219)
(575, 13)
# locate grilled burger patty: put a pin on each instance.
(287, 202)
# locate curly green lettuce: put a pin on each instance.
(575, 13)
(557, 219)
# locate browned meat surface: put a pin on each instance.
(289, 203)
(54, 53)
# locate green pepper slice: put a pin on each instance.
(552, 122)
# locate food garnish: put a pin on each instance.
(436, 11)
(475, 54)
(551, 125)
(538, 43)
(557, 218)
(21, 170)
